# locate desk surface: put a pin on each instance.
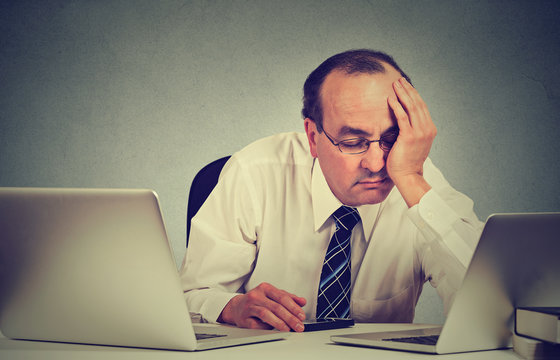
(312, 345)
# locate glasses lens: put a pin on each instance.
(387, 141)
(353, 146)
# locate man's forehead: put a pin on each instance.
(345, 94)
(359, 89)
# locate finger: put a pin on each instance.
(254, 323)
(403, 121)
(408, 132)
(300, 301)
(290, 302)
(285, 307)
(403, 94)
(408, 98)
(276, 307)
(282, 309)
(270, 314)
(416, 107)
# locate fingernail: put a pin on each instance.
(301, 316)
(398, 83)
(299, 327)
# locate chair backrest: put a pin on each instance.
(201, 187)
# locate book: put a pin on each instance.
(531, 349)
(542, 323)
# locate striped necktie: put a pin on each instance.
(334, 288)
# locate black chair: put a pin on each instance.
(201, 187)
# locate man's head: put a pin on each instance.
(362, 61)
(346, 98)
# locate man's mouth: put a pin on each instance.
(372, 182)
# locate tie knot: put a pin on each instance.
(346, 217)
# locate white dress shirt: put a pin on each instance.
(269, 220)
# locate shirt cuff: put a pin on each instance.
(208, 302)
(436, 219)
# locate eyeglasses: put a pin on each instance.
(361, 145)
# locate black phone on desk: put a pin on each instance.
(327, 324)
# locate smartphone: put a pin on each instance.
(327, 324)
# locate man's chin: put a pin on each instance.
(373, 196)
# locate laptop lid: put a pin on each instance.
(515, 264)
(94, 266)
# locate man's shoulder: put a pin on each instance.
(289, 148)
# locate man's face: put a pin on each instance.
(355, 105)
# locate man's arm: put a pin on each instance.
(448, 226)
(220, 256)
(448, 233)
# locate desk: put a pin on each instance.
(308, 346)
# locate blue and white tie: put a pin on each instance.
(334, 288)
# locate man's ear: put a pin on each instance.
(312, 134)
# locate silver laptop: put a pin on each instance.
(95, 266)
(516, 263)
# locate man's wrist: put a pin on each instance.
(412, 188)
(226, 316)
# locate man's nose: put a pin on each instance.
(374, 158)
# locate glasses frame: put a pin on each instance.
(368, 142)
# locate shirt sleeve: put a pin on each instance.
(448, 231)
(222, 244)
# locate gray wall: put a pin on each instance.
(144, 93)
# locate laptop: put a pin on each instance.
(94, 266)
(516, 263)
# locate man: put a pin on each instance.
(257, 247)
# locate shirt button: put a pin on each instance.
(430, 215)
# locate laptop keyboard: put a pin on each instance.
(200, 336)
(424, 340)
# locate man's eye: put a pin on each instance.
(353, 143)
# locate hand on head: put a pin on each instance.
(416, 134)
(265, 307)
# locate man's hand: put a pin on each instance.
(265, 307)
(416, 133)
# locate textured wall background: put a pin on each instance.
(144, 93)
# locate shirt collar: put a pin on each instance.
(325, 203)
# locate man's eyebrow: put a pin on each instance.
(347, 130)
